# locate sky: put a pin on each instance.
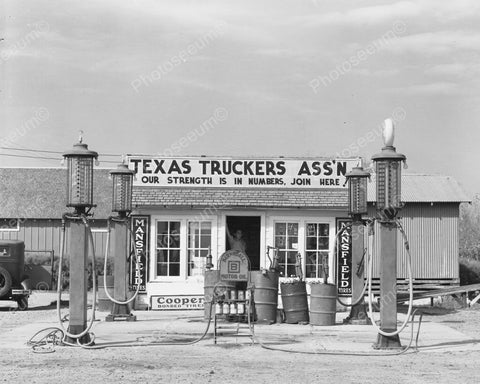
(293, 78)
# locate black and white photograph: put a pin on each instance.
(255, 191)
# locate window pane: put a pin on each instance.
(279, 242)
(200, 239)
(310, 270)
(168, 248)
(290, 270)
(323, 243)
(205, 241)
(293, 229)
(293, 242)
(311, 230)
(162, 256)
(292, 257)
(280, 228)
(175, 269)
(174, 256)
(162, 269)
(311, 243)
(323, 229)
(206, 228)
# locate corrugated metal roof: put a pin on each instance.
(422, 188)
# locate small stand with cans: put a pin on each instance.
(232, 303)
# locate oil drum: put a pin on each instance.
(295, 303)
(265, 295)
(323, 304)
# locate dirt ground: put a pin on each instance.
(230, 363)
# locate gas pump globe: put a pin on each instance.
(122, 189)
(80, 176)
(357, 192)
(389, 175)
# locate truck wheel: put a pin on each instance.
(5, 281)
(22, 303)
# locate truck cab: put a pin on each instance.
(14, 284)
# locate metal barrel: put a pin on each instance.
(265, 296)
(104, 303)
(213, 283)
(295, 303)
(323, 304)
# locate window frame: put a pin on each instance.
(184, 220)
(302, 239)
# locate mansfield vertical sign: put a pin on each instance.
(344, 257)
(240, 172)
(139, 263)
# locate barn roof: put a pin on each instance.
(40, 193)
(422, 188)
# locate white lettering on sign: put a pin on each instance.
(248, 173)
(169, 302)
(344, 257)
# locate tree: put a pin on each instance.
(469, 228)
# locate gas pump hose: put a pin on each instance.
(345, 353)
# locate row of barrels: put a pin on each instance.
(322, 307)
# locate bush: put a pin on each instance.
(99, 269)
(38, 258)
(469, 271)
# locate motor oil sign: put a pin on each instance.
(344, 257)
(139, 261)
(233, 266)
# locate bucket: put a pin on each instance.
(212, 280)
(104, 303)
(323, 304)
(265, 296)
(295, 304)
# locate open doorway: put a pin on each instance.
(246, 233)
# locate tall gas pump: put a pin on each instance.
(122, 178)
(389, 179)
(357, 206)
(80, 197)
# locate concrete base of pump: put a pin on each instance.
(358, 316)
(388, 342)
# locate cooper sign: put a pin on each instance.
(247, 173)
(169, 302)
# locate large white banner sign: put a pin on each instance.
(246, 173)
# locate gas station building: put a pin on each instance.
(185, 207)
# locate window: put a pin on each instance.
(168, 248)
(286, 240)
(199, 243)
(317, 243)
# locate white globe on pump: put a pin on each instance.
(388, 132)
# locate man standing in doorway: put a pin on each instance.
(236, 241)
